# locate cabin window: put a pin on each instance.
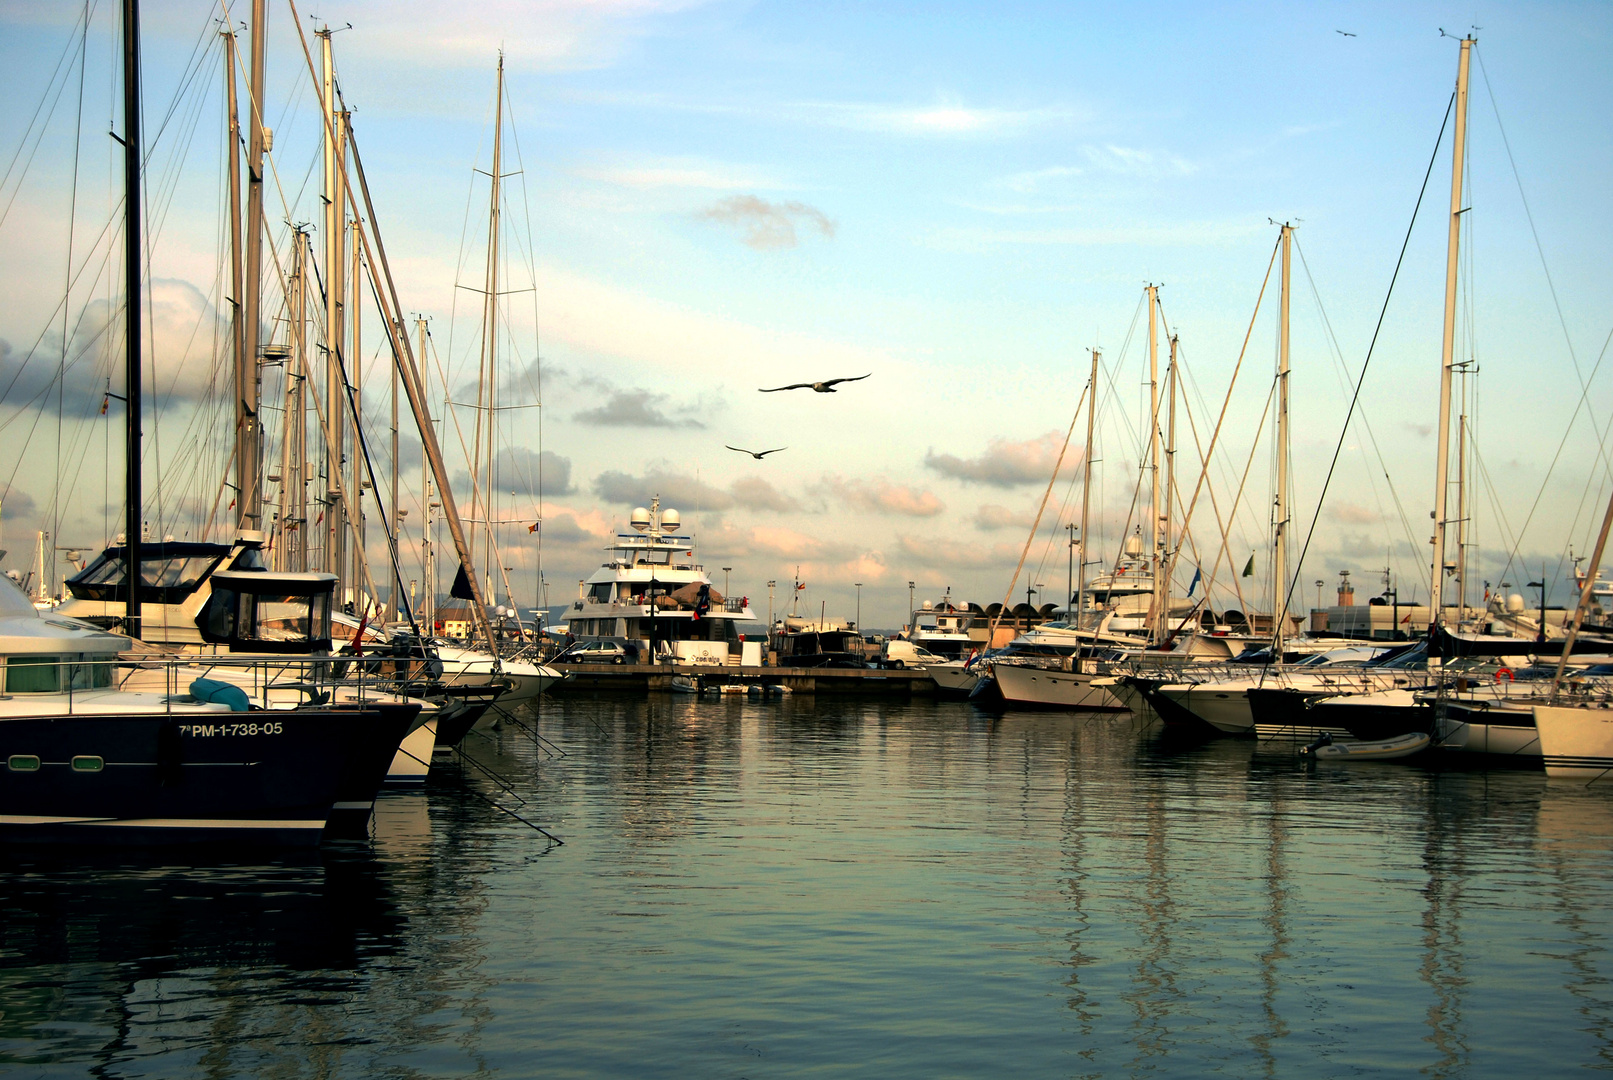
(88, 763)
(283, 618)
(23, 762)
(92, 673)
(600, 594)
(33, 674)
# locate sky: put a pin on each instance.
(956, 200)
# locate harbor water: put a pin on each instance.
(804, 888)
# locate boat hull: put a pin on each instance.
(256, 777)
(1576, 743)
(1041, 688)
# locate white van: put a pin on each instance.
(902, 654)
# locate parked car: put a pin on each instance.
(902, 654)
(599, 651)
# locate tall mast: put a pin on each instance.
(292, 546)
(1156, 620)
(1279, 557)
(355, 367)
(490, 322)
(133, 302)
(1086, 488)
(334, 221)
(1448, 346)
(1461, 505)
(428, 563)
(237, 297)
(1167, 562)
(392, 518)
(248, 429)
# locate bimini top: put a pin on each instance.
(25, 630)
(169, 572)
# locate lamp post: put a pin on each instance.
(859, 586)
(1319, 584)
(770, 585)
(910, 607)
(725, 581)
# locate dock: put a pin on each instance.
(837, 682)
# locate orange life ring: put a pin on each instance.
(1503, 673)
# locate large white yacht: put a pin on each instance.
(652, 591)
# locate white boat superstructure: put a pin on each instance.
(652, 591)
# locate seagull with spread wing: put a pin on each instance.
(827, 386)
(754, 454)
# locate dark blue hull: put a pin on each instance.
(255, 778)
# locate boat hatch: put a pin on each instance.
(268, 612)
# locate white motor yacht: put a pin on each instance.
(653, 592)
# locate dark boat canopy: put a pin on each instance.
(169, 572)
(268, 612)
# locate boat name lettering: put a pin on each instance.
(212, 730)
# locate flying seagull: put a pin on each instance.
(824, 387)
(754, 454)
(1346, 33)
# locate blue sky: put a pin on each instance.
(960, 199)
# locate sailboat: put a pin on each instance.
(89, 760)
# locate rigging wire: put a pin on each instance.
(1367, 362)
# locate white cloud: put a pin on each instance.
(754, 493)
(768, 226)
(944, 552)
(990, 517)
(1006, 464)
(881, 496)
(947, 119)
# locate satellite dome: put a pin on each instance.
(640, 519)
(670, 520)
(1134, 546)
(1515, 604)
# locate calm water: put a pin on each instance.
(816, 889)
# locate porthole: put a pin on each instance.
(88, 763)
(23, 763)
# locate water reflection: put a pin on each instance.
(795, 887)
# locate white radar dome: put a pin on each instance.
(670, 520)
(1514, 604)
(1134, 546)
(640, 519)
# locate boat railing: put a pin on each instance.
(269, 682)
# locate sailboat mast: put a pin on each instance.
(1086, 487)
(1448, 345)
(248, 429)
(237, 294)
(285, 515)
(334, 220)
(1167, 563)
(490, 323)
(133, 303)
(428, 565)
(355, 365)
(1156, 621)
(1280, 510)
(296, 408)
(392, 518)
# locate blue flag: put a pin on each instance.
(1195, 583)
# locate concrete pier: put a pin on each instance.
(657, 678)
